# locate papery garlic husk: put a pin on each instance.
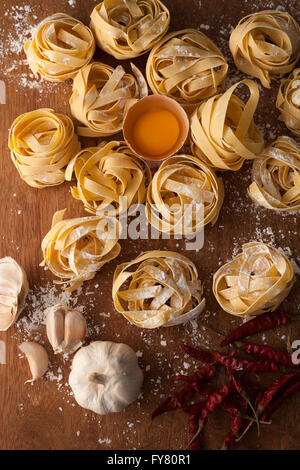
(66, 328)
(37, 357)
(13, 291)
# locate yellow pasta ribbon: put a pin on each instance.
(276, 176)
(60, 45)
(266, 45)
(75, 249)
(180, 188)
(42, 143)
(187, 66)
(110, 178)
(255, 281)
(129, 28)
(223, 132)
(288, 102)
(102, 95)
(158, 288)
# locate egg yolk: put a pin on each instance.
(156, 132)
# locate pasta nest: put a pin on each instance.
(161, 289)
(276, 176)
(288, 102)
(254, 282)
(59, 47)
(102, 95)
(127, 29)
(187, 66)
(75, 249)
(42, 143)
(223, 132)
(184, 196)
(266, 45)
(110, 178)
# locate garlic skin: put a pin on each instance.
(13, 291)
(105, 377)
(66, 328)
(37, 357)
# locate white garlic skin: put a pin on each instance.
(105, 377)
(13, 291)
(37, 357)
(66, 328)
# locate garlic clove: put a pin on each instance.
(37, 359)
(55, 327)
(75, 330)
(66, 328)
(13, 291)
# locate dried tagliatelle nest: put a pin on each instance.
(255, 281)
(102, 95)
(158, 288)
(13, 290)
(127, 29)
(288, 102)
(187, 66)
(109, 178)
(42, 143)
(266, 45)
(75, 249)
(184, 196)
(60, 45)
(223, 132)
(276, 176)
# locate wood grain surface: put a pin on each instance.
(45, 415)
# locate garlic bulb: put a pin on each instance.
(66, 328)
(105, 377)
(13, 291)
(37, 359)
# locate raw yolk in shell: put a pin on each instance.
(156, 132)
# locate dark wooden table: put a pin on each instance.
(44, 415)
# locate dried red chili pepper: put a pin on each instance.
(184, 394)
(231, 362)
(275, 404)
(236, 412)
(264, 322)
(214, 400)
(271, 392)
(266, 353)
(193, 423)
(196, 380)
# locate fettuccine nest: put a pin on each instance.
(158, 288)
(42, 143)
(109, 178)
(276, 176)
(75, 249)
(127, 29)
(102, 95)
(187, 66)
(184, 196)
(288, 102)
(223, 132)
(255, 281)
(266, 45)
(60, 45)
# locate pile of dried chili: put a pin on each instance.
(245, 402)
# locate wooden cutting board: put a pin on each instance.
(45, 415)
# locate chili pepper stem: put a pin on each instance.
(244, 395)
(248, 418)
(199, 430)
(245, 431)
